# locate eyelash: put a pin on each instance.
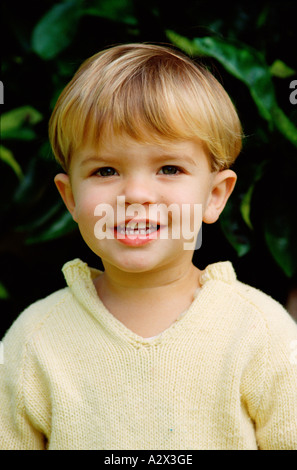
(96, 173)
(177, 168)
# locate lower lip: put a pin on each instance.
(137, 239)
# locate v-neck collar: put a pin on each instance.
(79, 278)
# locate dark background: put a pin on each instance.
(250, 47)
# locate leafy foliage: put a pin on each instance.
(247, 46)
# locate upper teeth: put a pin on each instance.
(137, 227)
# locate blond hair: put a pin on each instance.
(151, 93)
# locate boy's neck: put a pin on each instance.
(148, 303)
(163, 278)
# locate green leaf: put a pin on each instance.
(281, 70)
(15, 124)
(234, 228)
(279, 245)
(243, 63)
(42, 218)
(4, 294)
(62, 225)
(20, 134)
(56, 29)
(115, 10)
(245, 206)
(249, 66)
(280, 231)
(284, 125)
(7, 156)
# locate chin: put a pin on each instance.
(135, 263)
(131, 267)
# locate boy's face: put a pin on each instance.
(125, 183)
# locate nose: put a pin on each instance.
(139, 189)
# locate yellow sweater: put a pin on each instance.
(224, 376)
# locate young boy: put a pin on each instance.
(152, 353)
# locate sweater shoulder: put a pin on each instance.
(255, 297)
(36, 315)
(246, 300)
(272, 312)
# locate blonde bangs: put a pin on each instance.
(150, 93)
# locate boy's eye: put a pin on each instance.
(106, 171)
(169, 170)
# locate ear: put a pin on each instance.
(222, 187)
(63, 184)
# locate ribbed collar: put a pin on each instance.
(78, 269)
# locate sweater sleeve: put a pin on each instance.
(21, 423)
(274, 410)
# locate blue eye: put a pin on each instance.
(106, 171)
(170, 170)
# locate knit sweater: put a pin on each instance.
(223, 376)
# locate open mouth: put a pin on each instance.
(138, 232)
(137, 228)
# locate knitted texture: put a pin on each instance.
(223, 376)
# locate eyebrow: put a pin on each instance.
(172, 156)
(96, 159)
(161, 157)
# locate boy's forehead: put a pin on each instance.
(129, 151)
(120, 145)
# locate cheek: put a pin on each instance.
(93, 214)
(85, 208)
(88, 198)
(84, 212)
(192, 202)
(191, 197)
